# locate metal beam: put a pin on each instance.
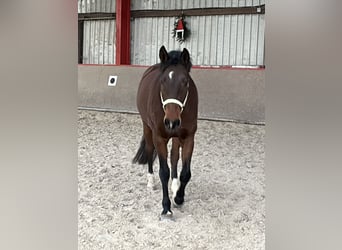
(200, 12)
(123, 24)
(96, 16)
(258, 10)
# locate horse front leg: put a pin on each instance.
(174, 162)
(185, 175)
(164, 173)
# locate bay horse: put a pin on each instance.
(167, 101)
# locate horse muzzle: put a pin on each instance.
(172, 118)
(173, 109)
(172, 124)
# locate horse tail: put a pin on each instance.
(141, 156)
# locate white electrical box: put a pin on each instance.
(112, 81)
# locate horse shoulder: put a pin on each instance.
(150, 70)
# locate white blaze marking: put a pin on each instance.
(150, 180)
(174, 187)
(170, 74)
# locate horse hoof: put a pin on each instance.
(167, 216)
(175, 204)
(178, 201)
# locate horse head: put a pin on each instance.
(174, 85)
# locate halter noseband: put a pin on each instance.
(175, 101)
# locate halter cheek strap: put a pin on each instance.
(175, 101)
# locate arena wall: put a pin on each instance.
(224, 94)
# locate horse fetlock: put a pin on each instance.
(167, 212)
(185, 177)
(166, 204)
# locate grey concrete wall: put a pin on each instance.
(228, 94)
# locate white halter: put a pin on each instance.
(175, 101)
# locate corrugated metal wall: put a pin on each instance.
(98, 35)
(99, 42)
(214, 41)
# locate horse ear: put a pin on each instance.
(185, 56)
(163, 56)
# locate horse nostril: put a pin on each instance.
(167, 123)
(176, 124)
(171, 124)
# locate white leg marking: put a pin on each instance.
(150, 180)
(170, 74)
(174, 187)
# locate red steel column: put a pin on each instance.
(123, 25)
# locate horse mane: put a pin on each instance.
(174, 58)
